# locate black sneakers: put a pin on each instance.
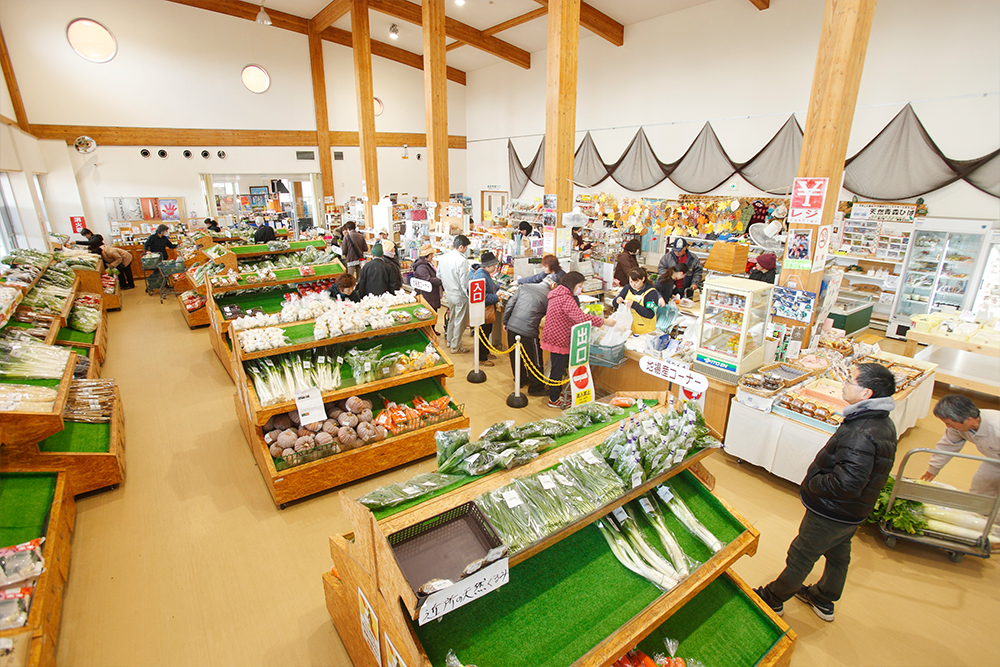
(778, 609)
(823, 609)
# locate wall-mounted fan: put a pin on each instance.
(85, 145)
(768, 236)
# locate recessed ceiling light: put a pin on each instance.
(91, 40)
(379, 107)
(459, 2)
(394, 31)
(255, 78)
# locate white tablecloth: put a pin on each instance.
(786, 448)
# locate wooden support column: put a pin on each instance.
(15, 94)
(840, 60)
(322, 118)
(361, 36)
(560, 101)
(436, 101)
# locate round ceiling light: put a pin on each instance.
(255, 78)
(91, 40)
(379, 107)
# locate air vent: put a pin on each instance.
(338, 155)
(305, 155)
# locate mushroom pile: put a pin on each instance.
(349, 425)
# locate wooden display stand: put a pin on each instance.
(364, 561)
(21, 428)
(309, 478)
(260, 251)
(100, 345)
(90, 279)
(42, 628)
(112, 301)
(961, 363)
(194, 319)
(86, 471)
(136, 250)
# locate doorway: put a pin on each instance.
(492, 204)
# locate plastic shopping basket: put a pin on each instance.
(608, 356)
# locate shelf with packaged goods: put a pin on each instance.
(52, 514)
(67, 306)
(92, 455)
(219, 332)
(578, 556)
(19, 427)
(24, 289)
(259, 251)
(417, 336)
(96, 340)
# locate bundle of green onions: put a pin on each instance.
(84, 260)
(59, 275)
(32, 360)
(47, 297)
(277, 379)
(627, 551)
(589, 471)
(514, 520)
(680, 510)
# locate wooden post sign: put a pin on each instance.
(477, 302)
(580, 378)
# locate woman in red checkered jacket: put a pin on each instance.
(560, 316)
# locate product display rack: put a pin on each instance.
(730, 309)
(258, 252)
(50, 512)
(20, 428)
(306, 479)
(91, 455)
(90, 279)
(219, 333)
(365, 561)
(112, 300)
(96, 341)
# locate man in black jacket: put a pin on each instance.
(378, 276)
(839, 492)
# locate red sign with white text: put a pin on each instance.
(808, 196)
(477, 291)
(77, 222)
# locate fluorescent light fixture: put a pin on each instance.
(394, 31)
(459, 2)
(262, 17)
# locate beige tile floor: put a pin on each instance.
(189, 562)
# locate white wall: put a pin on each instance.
(747, 71)
(6, 106)
(60, 189)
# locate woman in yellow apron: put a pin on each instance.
(642, 299)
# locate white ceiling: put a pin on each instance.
(482, 14)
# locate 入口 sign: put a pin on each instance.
(477, 302)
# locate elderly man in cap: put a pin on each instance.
(423, 269)
(679, 254)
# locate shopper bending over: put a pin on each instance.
(212, 226)
(627, 261)
(453, 267)
(343, 288)
(671, 283)
(378, 276)
(423, 269)
(264, 234)
(562, 313)
(765, 270)
(353, 247)
(679, 254)
(159, 242)
(839, 492)
(522, 316)
(550, 267)
(964, 422)
(93, 241)
(485, 270)
(642, 299)
(121, 259)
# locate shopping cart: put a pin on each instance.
(904, 489)
(154, 279)
(171, 267)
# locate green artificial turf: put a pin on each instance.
(563, 601)
(322, 271)
(25, 501)
(305, 333)
(73, 336)
(262, 247)
(561, 440)
(270, 301)
(82, 351)
(78, 438)
(719, 626)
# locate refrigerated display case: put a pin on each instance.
(946, 259)
(731, 330)
(987, 304)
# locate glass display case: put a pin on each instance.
(731, 330)
(987, 304)
(852, 312)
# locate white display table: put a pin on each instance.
(785, 447)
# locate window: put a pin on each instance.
(10, 222)
(255, 78)
(91, 40)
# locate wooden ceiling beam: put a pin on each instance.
(454, 45)
(409, 12)
(761, 4)
(599, 23)
(329, 15)
(248, 11)
(15, 93)
(389, 52)
(516, 21)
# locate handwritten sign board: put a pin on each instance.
(465, 591)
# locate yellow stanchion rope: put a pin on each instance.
(540, 376)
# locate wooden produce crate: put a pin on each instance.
(728, 258)
(92, 455)
(112, 301)
(96, 340)
(259, 251)
(42, 628)
(90, 279)
(194, 319)
(19, 428)
(364, 561)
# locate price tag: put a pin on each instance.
(620, 515)
(368, 367)
(467, 590)
(340, 360)
(615, 452)
(309, 403)
(665, 493)
(512, 498)
(547, 482)
(306, 364)
(636, 478)
(589, 457)
(563, 480)
(421, 285)
(321, 359)
(646, 505)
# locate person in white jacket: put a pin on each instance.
(965, 422)
(453, 270)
